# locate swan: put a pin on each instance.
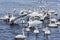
(21, 35)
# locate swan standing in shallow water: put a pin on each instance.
(36, 31)
(21, 36)
(12, 17)
(46, 31)
(52, 24)
(5, 17)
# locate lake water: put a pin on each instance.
(8, 32)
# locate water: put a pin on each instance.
(8, 32)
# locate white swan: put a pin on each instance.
(53, 19)
(28, 29)
(51, 11)
(33, 23)
(12, 18)
(46, 30)
(21, 35)
(36, 30)
(52, 24)
(22, 13)
(33, 14)
(5, 17)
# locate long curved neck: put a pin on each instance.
(23, 31)
(36, 27)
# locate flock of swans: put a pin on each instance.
(35, 18)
